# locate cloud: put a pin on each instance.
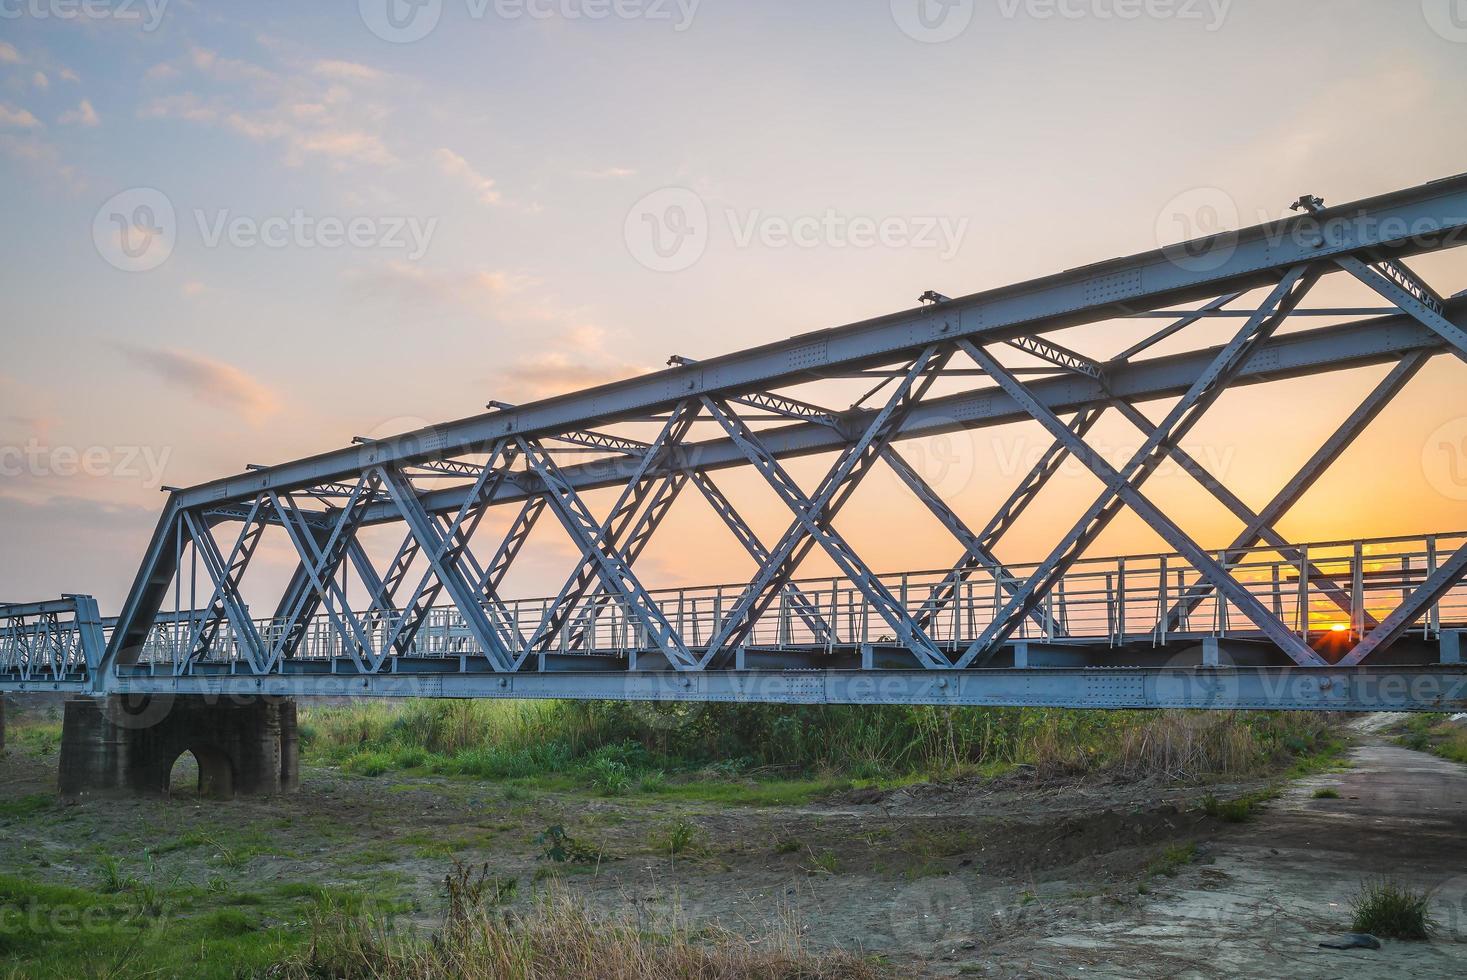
(311, 112)
(209, 382)
(347, 71)
(161, 71)
(43, 158)
(10, 56)
(576, 358)
(481, 291)
(40, 81)
(193, 288)
(570, 350)
(68, 75)
(610, 173)
(229, 69)
(187, 106)
(82, 115)
(460, 169)
(19, 118)
(343, 146)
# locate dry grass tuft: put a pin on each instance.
(557, 938)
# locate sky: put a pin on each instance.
(244, 233)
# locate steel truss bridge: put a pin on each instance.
(1258, 621)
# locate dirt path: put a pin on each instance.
(1277, 886)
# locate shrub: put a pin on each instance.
(1387, 908)
(678, 837)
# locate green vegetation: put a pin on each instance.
(556, 937)
(1238, 810)
(1173, 859)
(682, 836)
(1389, 909)
(1327, 793)
(54, 931)
(1436, 734)
(27, 805)
(558, 846)
(778, 755)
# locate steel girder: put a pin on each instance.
(1397, 225)
(324, 502)
(54, 641)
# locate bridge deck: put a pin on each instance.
(1138, 630)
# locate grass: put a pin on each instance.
(1434, 733)
(26, 806)
(1327, 793)
(558, 937)
(768, 755)
(682, 836)
(63, 932)
(1172, 860)
(1240, 809)
(1391, 910)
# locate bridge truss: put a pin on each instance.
(1258, 622)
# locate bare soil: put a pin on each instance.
(1010, 877)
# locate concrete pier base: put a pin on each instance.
(128, 745)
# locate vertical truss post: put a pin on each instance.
(226, 603)
(1438, 584)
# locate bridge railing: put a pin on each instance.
(56, 640)
(1337, 588)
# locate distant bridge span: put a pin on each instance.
(1258, 621)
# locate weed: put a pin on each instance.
(1239, 810)
(621, 745)
(678, 837)
(822, 863)
(558, 846)
(227, 923)
(559, 937)
(788, 846)
(1387, 908)
(652, 782)
(232, 859)
(610, 777)
(111, 878)
(1173, 860)
(26, 806)
(1327, 793)
(469, 890)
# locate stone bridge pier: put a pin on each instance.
(124, 744)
